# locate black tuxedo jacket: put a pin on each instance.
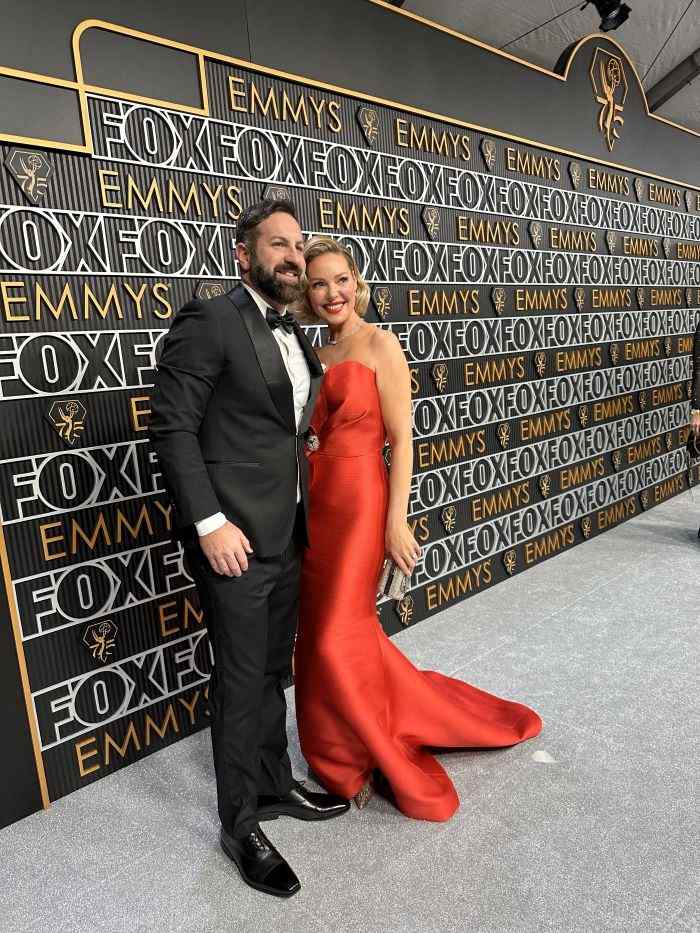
(222, 420)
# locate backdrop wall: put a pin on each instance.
(530, 236)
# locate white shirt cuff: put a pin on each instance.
(206, 525)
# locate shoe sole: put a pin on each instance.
(259, 886)
(264, 816)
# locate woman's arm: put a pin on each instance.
(394, 385)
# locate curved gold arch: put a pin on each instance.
(199, 54)
(601, 35)
(559, 76)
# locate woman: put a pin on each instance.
(361, 705)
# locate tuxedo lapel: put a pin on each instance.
(316, 374)
(309, 407)
(315, 367)
(268, 354)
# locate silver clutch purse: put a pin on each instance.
(393, 582)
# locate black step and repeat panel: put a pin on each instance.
(545, 303)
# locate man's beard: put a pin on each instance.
(266, 282)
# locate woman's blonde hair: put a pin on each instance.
(320, 246)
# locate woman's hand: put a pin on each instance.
(401, 546)
(695, 423)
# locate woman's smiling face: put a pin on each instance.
(332, 288)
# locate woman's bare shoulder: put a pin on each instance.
(384, 345)
(383, 339)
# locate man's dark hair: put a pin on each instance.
(253, 216)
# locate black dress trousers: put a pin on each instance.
(251, 622)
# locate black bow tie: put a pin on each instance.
(285, 321)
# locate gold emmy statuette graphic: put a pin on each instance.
(669, 441)
(276, 193)
(614, 351)
(31, 171)
(575, 174)
(668, 346)
(641, 298)
(503, 434)
(368, 118)
(68, 418)
(100, 638)
(642, 401)
(545, 484)
(639, 188)
(404, 608)
(644, 499)
(688, 201)
(580, 298)
(668, 247)
(583, 415)
(448, 517)
(209, 290)
(430, 216)
(536, 233)
(439, 373)
(381, 296)
(689, 388)
(611, 240)
(617, 459)
(610, 86)
(386, 453)
(510, 562)
(586, 527)
(498, 298)
(689, 297)
(488, 153)
(540, 363)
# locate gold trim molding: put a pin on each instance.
(201, 55)
(431, 24)
(23, 673)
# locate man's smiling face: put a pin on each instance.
(274, 261)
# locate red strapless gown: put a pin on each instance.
(360, 703)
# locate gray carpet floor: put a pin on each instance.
(593, 826)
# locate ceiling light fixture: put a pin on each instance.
(612, 14)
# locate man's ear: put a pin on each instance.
(243, 256)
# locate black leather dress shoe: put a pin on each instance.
(302, 804)
(260, 864)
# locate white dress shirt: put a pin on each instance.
(298, 372)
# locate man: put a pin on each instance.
(233, 397)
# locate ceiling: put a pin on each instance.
(496, 22)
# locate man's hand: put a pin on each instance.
(695, 423)
(226, 550)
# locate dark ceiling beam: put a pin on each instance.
(674, 81)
